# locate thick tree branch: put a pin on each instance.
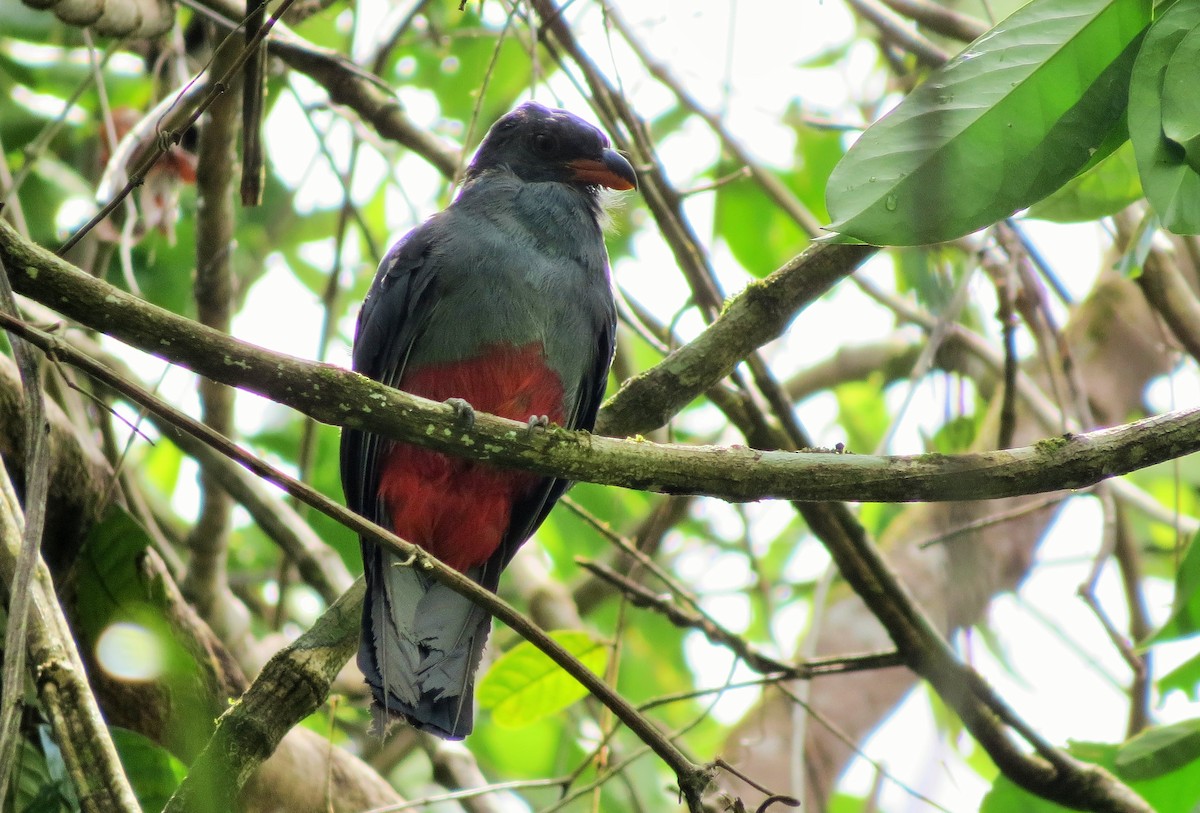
(1168, 291)
(36, 490)
(754, 317)
(336, 396)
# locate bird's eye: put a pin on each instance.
(545, 144)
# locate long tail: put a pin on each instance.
(420, 647)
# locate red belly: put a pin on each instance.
(456, 509)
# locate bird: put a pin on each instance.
(501, 303)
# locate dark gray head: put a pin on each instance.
(538, 143)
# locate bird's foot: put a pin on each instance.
(538, 422)
(464, 413)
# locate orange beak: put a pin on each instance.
(611, 170)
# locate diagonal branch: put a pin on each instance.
(249, 733)
(760, 313)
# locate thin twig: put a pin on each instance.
(991, 520)
(718, 635)
(33, 150)
(775, 189)
(849, 742)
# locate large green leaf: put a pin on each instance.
(997, 128)
(759, 234)
(153, 772)
(524, 685)
(1164, 117)
(36, 787)
(1159, 750)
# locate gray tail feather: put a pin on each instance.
(420, 648)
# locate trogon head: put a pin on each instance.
(538, 144)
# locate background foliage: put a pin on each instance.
(1006, 332)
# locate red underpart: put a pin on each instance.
(457, 509)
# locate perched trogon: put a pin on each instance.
(502, 302)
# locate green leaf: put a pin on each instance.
(995, 129)
(153, 772)
(1103, 190)
(123, 614)
(759, 234)
(863, 413)
(1177, 791)
(1158, 751)
(33, 787)
(1185, 614)
(1180, 102)
(1162, 119)
(109, 580)
(956, 435)
(1184, 678)
(524, 685)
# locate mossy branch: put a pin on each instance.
(336, 396)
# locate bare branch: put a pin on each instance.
(213, 291)
(939, 19)
(20, 580)
(640, 596)
(333, 395)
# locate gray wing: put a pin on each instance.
(396, 312)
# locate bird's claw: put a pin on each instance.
(464, 413)
(538, 422)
